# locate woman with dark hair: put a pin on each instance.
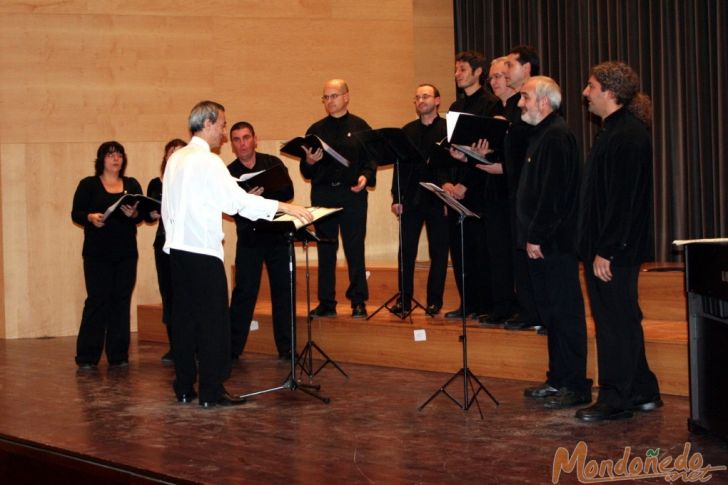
(109, 258)
(161, 259)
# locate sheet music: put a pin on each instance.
(449, 200)
(682, 242)
(317, 212)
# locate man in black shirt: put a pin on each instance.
(615, 237)
(546, 206)
(489, 283)
(254, 248)
(415, 206)
(334, 185)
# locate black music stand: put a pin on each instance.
(288, 226)
(469, 379)
(386, 146)
(305, 359)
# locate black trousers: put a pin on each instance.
(478, 297)
(200, 323)
(164, 280)
(248, 269)
(498, 244)
(521, 276)
(352, 222)
(105, 320)
(436, 226)
(561, 307)
(624, 375)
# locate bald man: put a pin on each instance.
(334, 185)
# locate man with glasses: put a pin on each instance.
(334, 185)
(415, 206)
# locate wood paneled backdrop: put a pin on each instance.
(75, 73)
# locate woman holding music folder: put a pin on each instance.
(109, 257)
(161, 259)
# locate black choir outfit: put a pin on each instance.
(109, 265)
(251, 251)
(331, 184)
(615, 222)
(161, 259)
(420, 207)
(547, 202)
(515, 145)
(487, 240)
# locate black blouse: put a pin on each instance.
(117, 238)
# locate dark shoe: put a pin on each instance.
(567, 398)
(167, 358)
(323, 311)
(87, 366)
(486, 321)
(646, 404)
(542, 331)
(284, 355)
(398, 310)
(224, 400)
(359, 311)
(602, 412)
(540, 392)
(433, 310)
(495, 318)
(119, 364)
(457, 314)
(187, 397)
(520, 325)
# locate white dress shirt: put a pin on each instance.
(197, 189)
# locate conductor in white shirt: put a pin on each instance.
(198, 189)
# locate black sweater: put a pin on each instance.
(338, 134)
(423, 137)
(154, 190)
(247, 236)
(548, 191)
(117, 238)
(615, 218)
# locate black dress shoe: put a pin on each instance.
(433, 310)
(187, 397)
(359, 311)
(224, 400)
(284, 355)
(520, 325)
(486, 321)
(87, 366)
(602, 412)
(397, 309)
(167, 358)
(640, 403)
(567, 398)
(495, 318)
(118, 364)
(540, 392)
(457, 314)
(323, 311)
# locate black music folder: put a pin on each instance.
(464, 129)
(389, 145)
(146, 205)
(274, 179)
(294, 148)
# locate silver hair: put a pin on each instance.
(547, 87)
(204, 110)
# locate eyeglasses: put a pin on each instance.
(424, 97)
(331, 97)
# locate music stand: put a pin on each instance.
(386, 146)
(469, 379)
(305, 359)
(288, 226)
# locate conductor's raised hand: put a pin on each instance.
(360, 184)
(300, 213)
(313, 156)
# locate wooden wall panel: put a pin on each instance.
(77, 73)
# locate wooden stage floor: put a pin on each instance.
(371, 432)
